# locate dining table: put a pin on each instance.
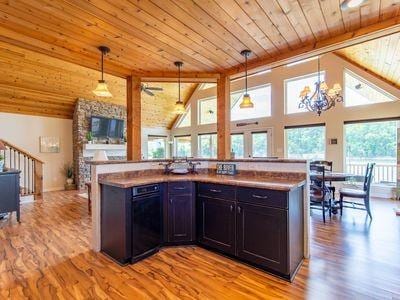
(336, 177)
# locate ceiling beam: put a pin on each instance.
(345, 40)
(370, 72)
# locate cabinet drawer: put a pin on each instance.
(226, 192)
(180, 188)
(264, 197)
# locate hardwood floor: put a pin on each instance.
(47, 256)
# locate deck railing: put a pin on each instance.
(31, 177)
(383, 172)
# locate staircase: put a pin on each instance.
(31, 177)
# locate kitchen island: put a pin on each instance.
(256, 217)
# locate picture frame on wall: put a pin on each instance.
(49, 144)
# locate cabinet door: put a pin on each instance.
(217, 224)
(180, 218)
(262, 236)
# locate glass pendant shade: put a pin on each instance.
(246, 102)
(101, 89)
(179, 108)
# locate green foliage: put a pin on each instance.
(306, 142)
(371, 140)
(158, 153)
(260, 145)
(89, 136)
(1, 157)
(68, 170)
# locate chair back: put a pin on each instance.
(318, 184)
(327, 164)
(368, 177)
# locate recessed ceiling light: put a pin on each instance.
(349, 4)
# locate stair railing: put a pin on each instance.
(31, 167)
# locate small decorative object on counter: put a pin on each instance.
(232, 154)
(180, 166)
(89, 137)
(226, 169)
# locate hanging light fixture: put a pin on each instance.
(102, 89)
(179, 105)
(351, 4)
(246, 101)
(322, 98)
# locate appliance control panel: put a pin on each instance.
(145, 189)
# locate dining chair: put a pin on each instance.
(359, 194)
(320, 196)
(328, 167)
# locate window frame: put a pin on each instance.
(181, 118)
(286, 81)
(164, 137)
(199, 101)
(175, 144)
(199, 144)
(303, 126)
(369, 84)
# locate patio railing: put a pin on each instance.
(382, 172)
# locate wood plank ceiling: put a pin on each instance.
(380, 57)
(146, 36)
(36, 84)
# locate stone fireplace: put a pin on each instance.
(82, 150)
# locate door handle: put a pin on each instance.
(170, 200)
(215, 191)
(231, 207)
(239, 210)
(260, 197)
(179, 188)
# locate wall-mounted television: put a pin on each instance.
(102, 127)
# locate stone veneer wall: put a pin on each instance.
(84, 109)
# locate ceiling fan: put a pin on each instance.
(149, 89)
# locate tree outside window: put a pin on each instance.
(305, 142)
(156, 147)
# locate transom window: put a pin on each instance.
(208, 145)
(305, 142)
(294, 86)
(359, 91)
(208, 111)
(260, 96)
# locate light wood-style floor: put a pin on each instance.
(47, 256)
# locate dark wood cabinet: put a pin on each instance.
(217, 224)
(180, 225)
(262, 236)
(9, 196)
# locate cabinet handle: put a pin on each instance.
(179, 188)
(170, 200)
(231, 207)
(260, 197)
(215, 191)
(239, 209)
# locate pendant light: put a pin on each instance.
(102, 89)
(246, 101)
(179, 106)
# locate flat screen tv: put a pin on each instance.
(102, 127)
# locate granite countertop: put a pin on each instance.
(264, 182)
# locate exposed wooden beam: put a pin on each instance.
(348, 39)
(372, 73)
(223, 117)
(134, 127)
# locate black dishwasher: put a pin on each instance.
(146, 221)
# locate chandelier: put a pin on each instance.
(322, 98)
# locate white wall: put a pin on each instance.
(334, 118)
(24, 131)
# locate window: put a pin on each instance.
(156, 147)
(259, 144)
(294, 86)
(374, 142)
(208, 145)
(183, 146)
(208, 111)
(186, 120)
(359, 91)
(305, 142)
(261, 97)
(237, 144)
